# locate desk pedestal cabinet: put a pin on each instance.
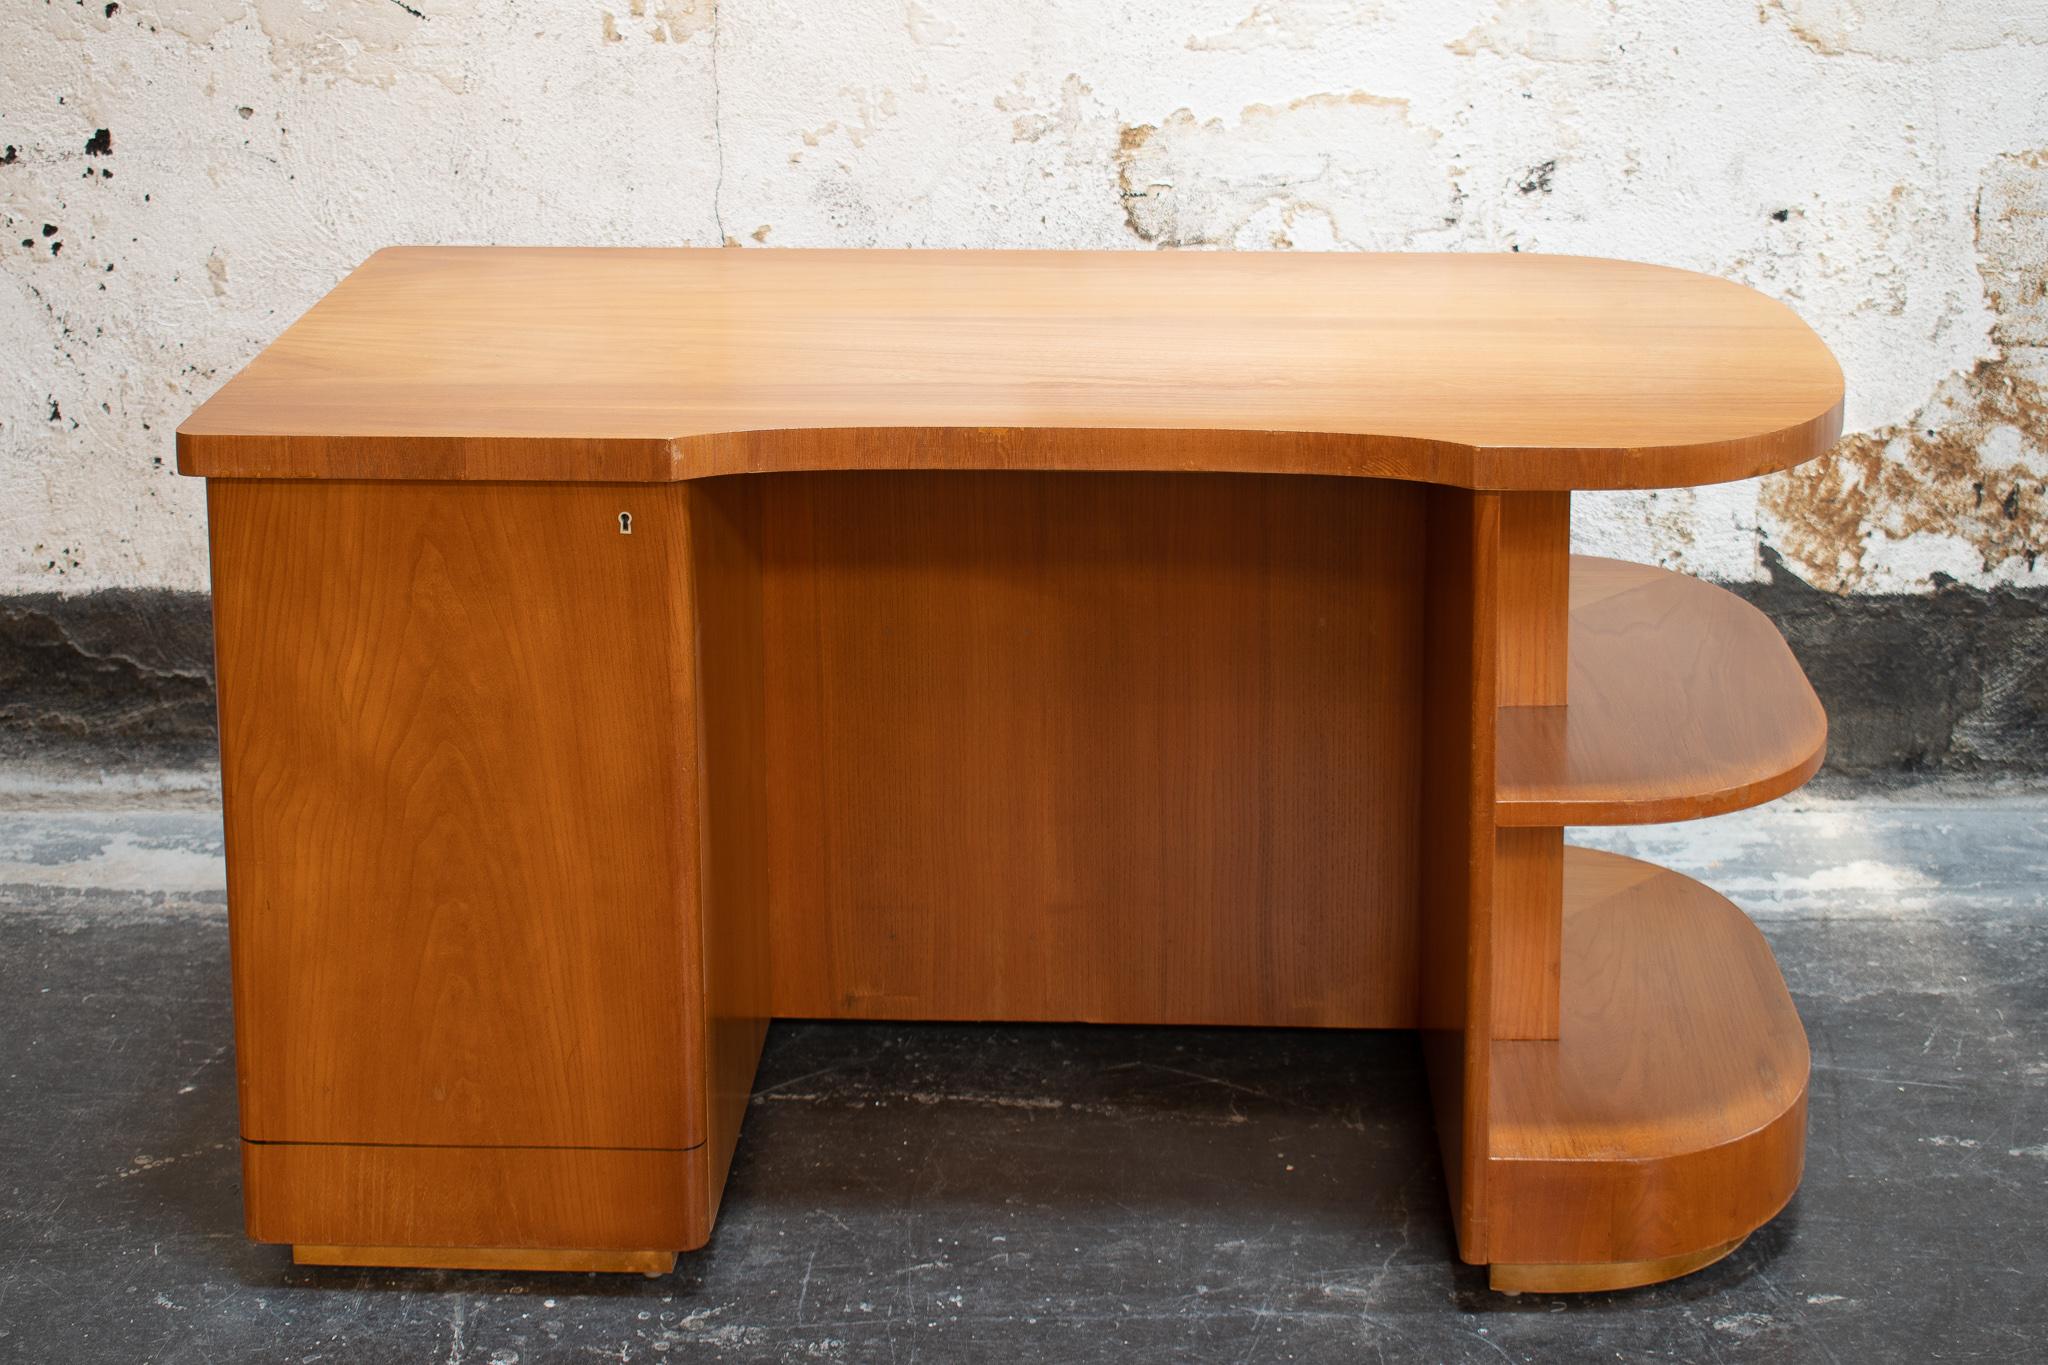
(618, 650)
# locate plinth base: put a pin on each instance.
(1595, 1276)
(648, 1263)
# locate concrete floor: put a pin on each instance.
(929, 1193)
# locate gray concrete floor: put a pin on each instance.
(909, 1193)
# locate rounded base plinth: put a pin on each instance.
(1667, 1120)
(1591, 1277)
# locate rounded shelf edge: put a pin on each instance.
(1669, 1115)
(1685, 702)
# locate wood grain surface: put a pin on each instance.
(1595, 1277)
(457, 759)
(552, 1198)
(1685, 702)
(1460, 653)
(1528, 932)
(735, 950)
(1669, 1116)
(1535, 598)
(1481, 370)
(1118, 748)
(532, 823)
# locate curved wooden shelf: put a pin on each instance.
(1492, 371)
(1668, 1119)
(1685, 702)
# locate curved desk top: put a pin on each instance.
(631, 365)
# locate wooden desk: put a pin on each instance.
(619, 649)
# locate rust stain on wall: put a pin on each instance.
(1352, 170)
(1972, 463)
(1130, 144)
(1900, 32)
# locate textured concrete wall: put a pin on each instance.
(179, 178)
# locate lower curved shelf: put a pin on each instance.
(1668, 1119)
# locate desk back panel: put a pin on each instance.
(1126, 748)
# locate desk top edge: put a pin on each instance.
(1507, 371)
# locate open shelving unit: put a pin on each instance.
(1644, 1111)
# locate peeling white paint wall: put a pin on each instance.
(1878, 164)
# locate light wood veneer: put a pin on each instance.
(1487, 371)
(620, 648)
(1116, 748)
(1670, 1113)
(1685, 702)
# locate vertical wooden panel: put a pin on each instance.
(725, 556)
(1535, 593)
(1457, 843)
(1528, 932)
(457, 759)
(1534, 568)
(1127, 748)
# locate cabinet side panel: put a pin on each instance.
(456, 757)
(1457, 840)
(725, 552)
